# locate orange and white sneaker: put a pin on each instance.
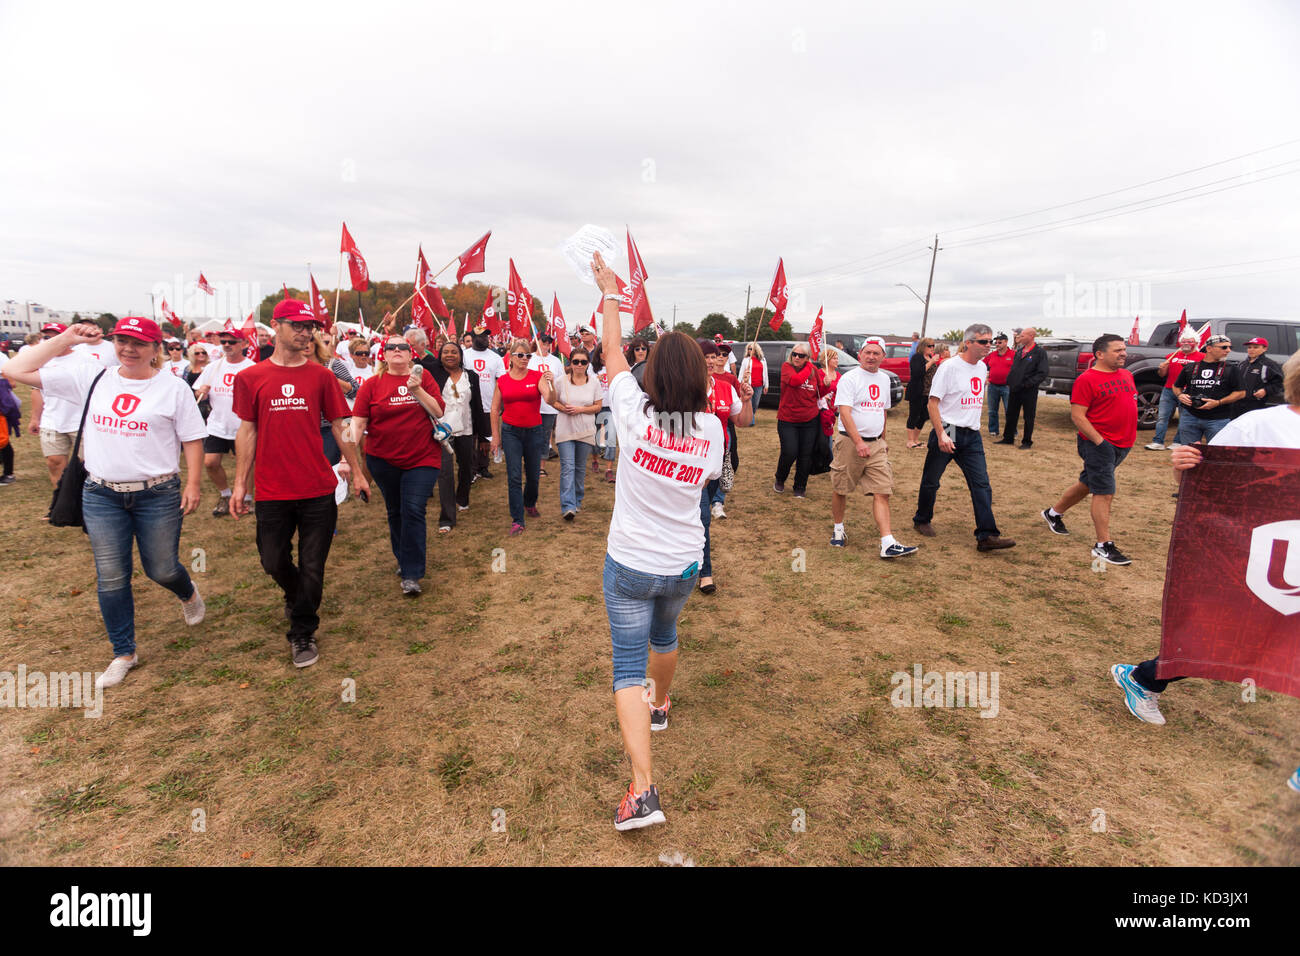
(639, 810)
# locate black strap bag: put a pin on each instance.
(65, 506)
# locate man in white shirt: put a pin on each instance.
(861, 458)
(97, 350)
(956, 405)
(55, 419)
(487, 365)
(543, 359)
(217, 385)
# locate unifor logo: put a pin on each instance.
(402, 390)
(480, 365)
(287, 390)
(1273, 572)
(125, 404)
(874, 392)
(975, 385)
(228, 379)
(1207, 373)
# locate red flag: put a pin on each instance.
(433, 295)
(779, 296)
(1133, 337)
(519, 305)
(170, 316)
(318, 306)
(1245, 625)
(253, 349)
(356, 265)
(203, 284)
(625, 303)
(594, 327)
(557, 329)
(474, 258)
(1203, 335)
(641, 317)
(421, 313)
(1182, 324)
(816, 335)
(490, 315)
(285, 294)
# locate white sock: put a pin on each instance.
(226, 493)
(1053, 513)
(839, 528)
(887, 541)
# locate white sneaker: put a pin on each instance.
(194, 608)
(717, 510)
(460, 507)
(1156, 446)
(116, 672)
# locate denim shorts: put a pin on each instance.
(643, 610)
(1099, 464)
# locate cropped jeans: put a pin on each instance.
(643, 610)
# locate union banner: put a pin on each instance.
(1231, 606)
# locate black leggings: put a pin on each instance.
(7, 459)
(797, 441)
(918, 412)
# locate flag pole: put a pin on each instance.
(338, 289)
(431, 278)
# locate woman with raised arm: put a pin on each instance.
(670, 447)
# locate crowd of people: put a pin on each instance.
(316, 412)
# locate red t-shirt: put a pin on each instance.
(799, 393)
(721, 398)
(999, 366)
(398, 429)
(521, 399)
(286, 403)
(1111, 400)
(1176, 362)
(756, 373)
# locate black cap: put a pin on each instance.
(543, 337)
(1001, 336)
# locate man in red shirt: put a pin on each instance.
(1187, 354)
(280, 403)
(998, 392)
(1103, 407)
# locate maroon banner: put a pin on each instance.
(1232, 583)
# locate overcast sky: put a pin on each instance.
(145, 142)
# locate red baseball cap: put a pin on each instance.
(292, 310)
(54, 327)
(1258, 341)
(138, 327)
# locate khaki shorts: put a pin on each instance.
(871, 475)
(56, 443)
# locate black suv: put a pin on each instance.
(777, 354)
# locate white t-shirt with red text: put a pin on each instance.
(656, 525)
(867, 396)
(135, 427)
(959, 386)
(489, 367)
(57, 414)
(103, 354)
(219, 377)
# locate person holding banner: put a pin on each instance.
(216, 386)
(518, 431)
(1275, 427)
(1103, 407)
(670, 447)
(391, 422)
(798, 420)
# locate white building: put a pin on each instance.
(22, 318)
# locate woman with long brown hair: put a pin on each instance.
(670, 447)
(575, 429)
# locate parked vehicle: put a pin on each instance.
(775, 353)
(897, 356)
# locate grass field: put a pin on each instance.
(483, 729)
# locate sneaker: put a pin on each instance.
(1293, 781)
(1026, 444)
(659, 716)
(994, 543)
(924, 528)
(532, 512)
(194, 608)
(7, 480)
(778, 487)
(1110, 554)
(116, 671)
(460, 507)
(635, 812)
(1155, 446)
(568, 515)
(799, 493)
(410, 586)
(304, 652)
(223, 507)
(898, 550)
(516, 528)
(485, 474)
(1055, 522)
(717, 510)
(1141, 703)
(838, 539)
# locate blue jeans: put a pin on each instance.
(573, 474)
(1191, 427)
(523, 450)
(606, 436)
(1167, 405)
(642, 610)
(753, 403)
(406, 494)
(969, 454)
(153, 519)
(993, 396)
(708, 492)
(333, 454)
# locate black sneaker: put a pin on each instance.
(304, 652)
(1110, 554)
(223, 507)
(7, 480)
(1055, 522)
(659, 717)
(637, 811)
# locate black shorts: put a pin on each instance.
(212, 445)
(1099, 464)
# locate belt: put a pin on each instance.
(125, 486)
(863, 437)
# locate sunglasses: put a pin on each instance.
(224, 342)
(363, 354)
(579, 362)
(392, 347)
(982, 341)
(522, 355)
(639, 348)
(174, 348)
(798, 355)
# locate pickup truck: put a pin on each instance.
(1283, 337)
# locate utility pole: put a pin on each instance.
(934, 255)
(745, 336)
